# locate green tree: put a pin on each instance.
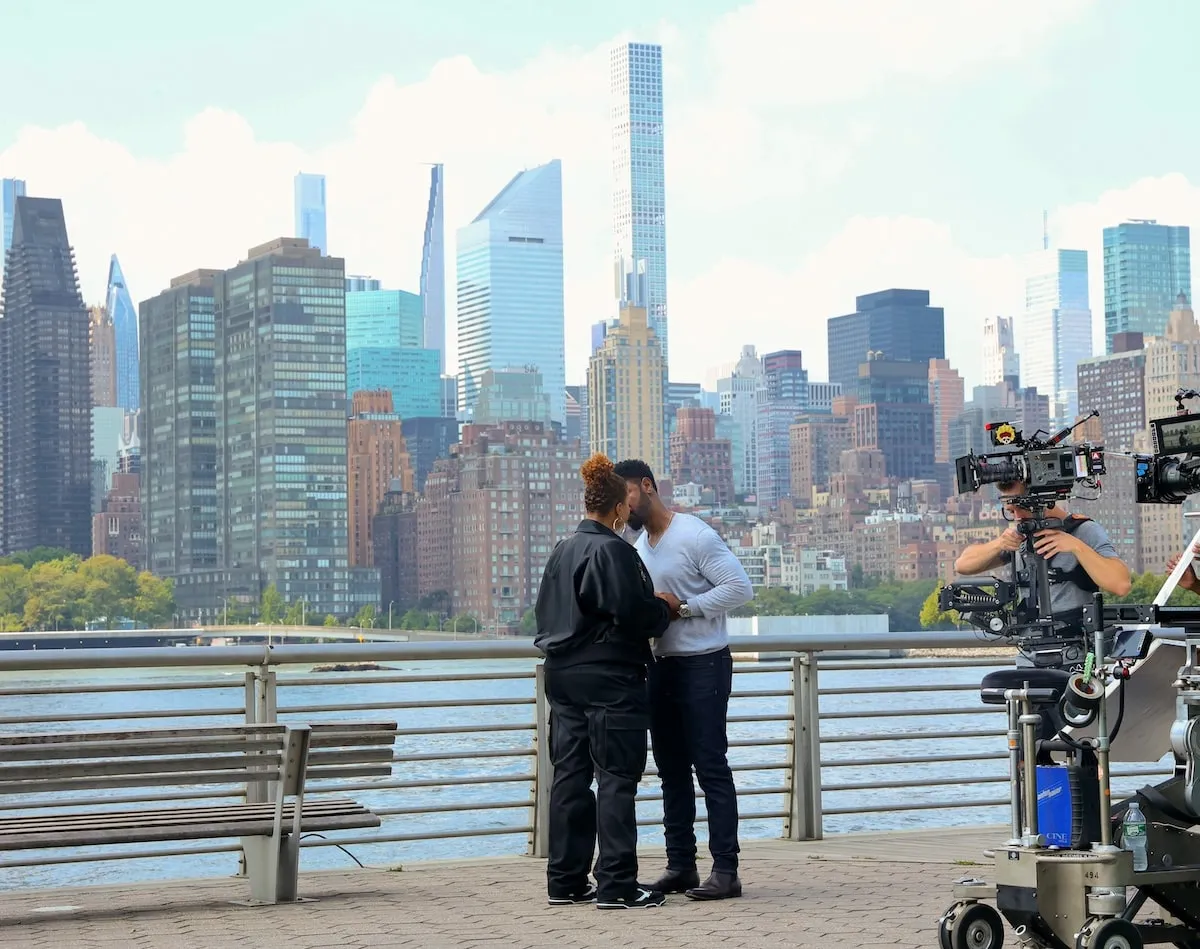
(296, 614)
(271, 606)
(54, 594)
(365, 618)
(463, 623)
(330, 620)
(31, 558)
(107, 589)
(934, 618)
(11, 623)
(14, 589)
(154, 603)
(529, 623)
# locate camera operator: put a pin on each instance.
(1080, 557)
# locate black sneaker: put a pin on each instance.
(641, 899)
(587, 895)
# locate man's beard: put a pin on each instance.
(635, 522)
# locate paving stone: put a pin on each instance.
(796, 895)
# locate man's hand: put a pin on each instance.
(1050, 543)
(672, 601)
(1010, 540)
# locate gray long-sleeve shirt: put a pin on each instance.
(693, 562)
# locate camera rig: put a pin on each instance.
(1049, 472)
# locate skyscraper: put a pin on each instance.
(45, 388)
(782, 395)
(1146, 266)
(10, 190)
(102, 345)
(1000, 360)
(947, 395)
(739, 393)
(310, 210)
(900, 324)
(1058, 328)
(639, 192)
(625, 393)
(510, 287)
(281, 428)
(179, 454)
(433, 269)
(377, 455)
(125, 330)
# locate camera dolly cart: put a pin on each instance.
(1071, 886)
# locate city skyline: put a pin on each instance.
(970, 209)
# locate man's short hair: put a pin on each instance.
(634, 469)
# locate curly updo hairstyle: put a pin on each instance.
(603, 488)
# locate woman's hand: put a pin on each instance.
(1189, 580)
(672, 601)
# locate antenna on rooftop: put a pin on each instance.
(1045, 230)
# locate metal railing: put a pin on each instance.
(819, 742)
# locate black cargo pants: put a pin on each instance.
(599, 722)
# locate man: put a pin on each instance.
(1081, 558)
(690, 683)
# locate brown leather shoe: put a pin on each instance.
(676, 881)
(720, 885)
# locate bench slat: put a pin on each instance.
(183, 731)
(173, 779)
(195, 744)
(349, 756)
(229, 827)
(109, 819)
(101, 768)
(320, 729)
(348, 771)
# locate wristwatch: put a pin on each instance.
(685, 611)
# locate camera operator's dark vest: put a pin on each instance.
(1076, 575)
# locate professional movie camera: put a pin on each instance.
(1050, 472)
(1164, 477)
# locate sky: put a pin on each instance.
(814, 151)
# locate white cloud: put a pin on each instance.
(790, 310)
(734, 135)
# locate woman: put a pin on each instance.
(596, 614)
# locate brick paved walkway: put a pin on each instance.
(830, 893)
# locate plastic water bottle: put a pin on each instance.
(1133, 835)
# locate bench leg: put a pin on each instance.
(273, 866)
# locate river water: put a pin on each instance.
(68, 694)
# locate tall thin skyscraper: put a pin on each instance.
(310, 210)
(510, 287)
(45, 388)
(639, 191)
(1146, 266)
(1058, 328)
(433, 268)
(125, 328)
(10, 190)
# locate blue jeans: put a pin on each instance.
(689, 701)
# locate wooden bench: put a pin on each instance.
(274, 761)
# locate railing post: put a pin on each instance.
(804, 776)
(543, 768)
(261, 708)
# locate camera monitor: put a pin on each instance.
(1176, 434)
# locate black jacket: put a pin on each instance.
(596, 602)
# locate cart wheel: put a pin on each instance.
(1114, 934)
(944, 927)
(979, 926)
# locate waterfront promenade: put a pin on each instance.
(851, 890)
